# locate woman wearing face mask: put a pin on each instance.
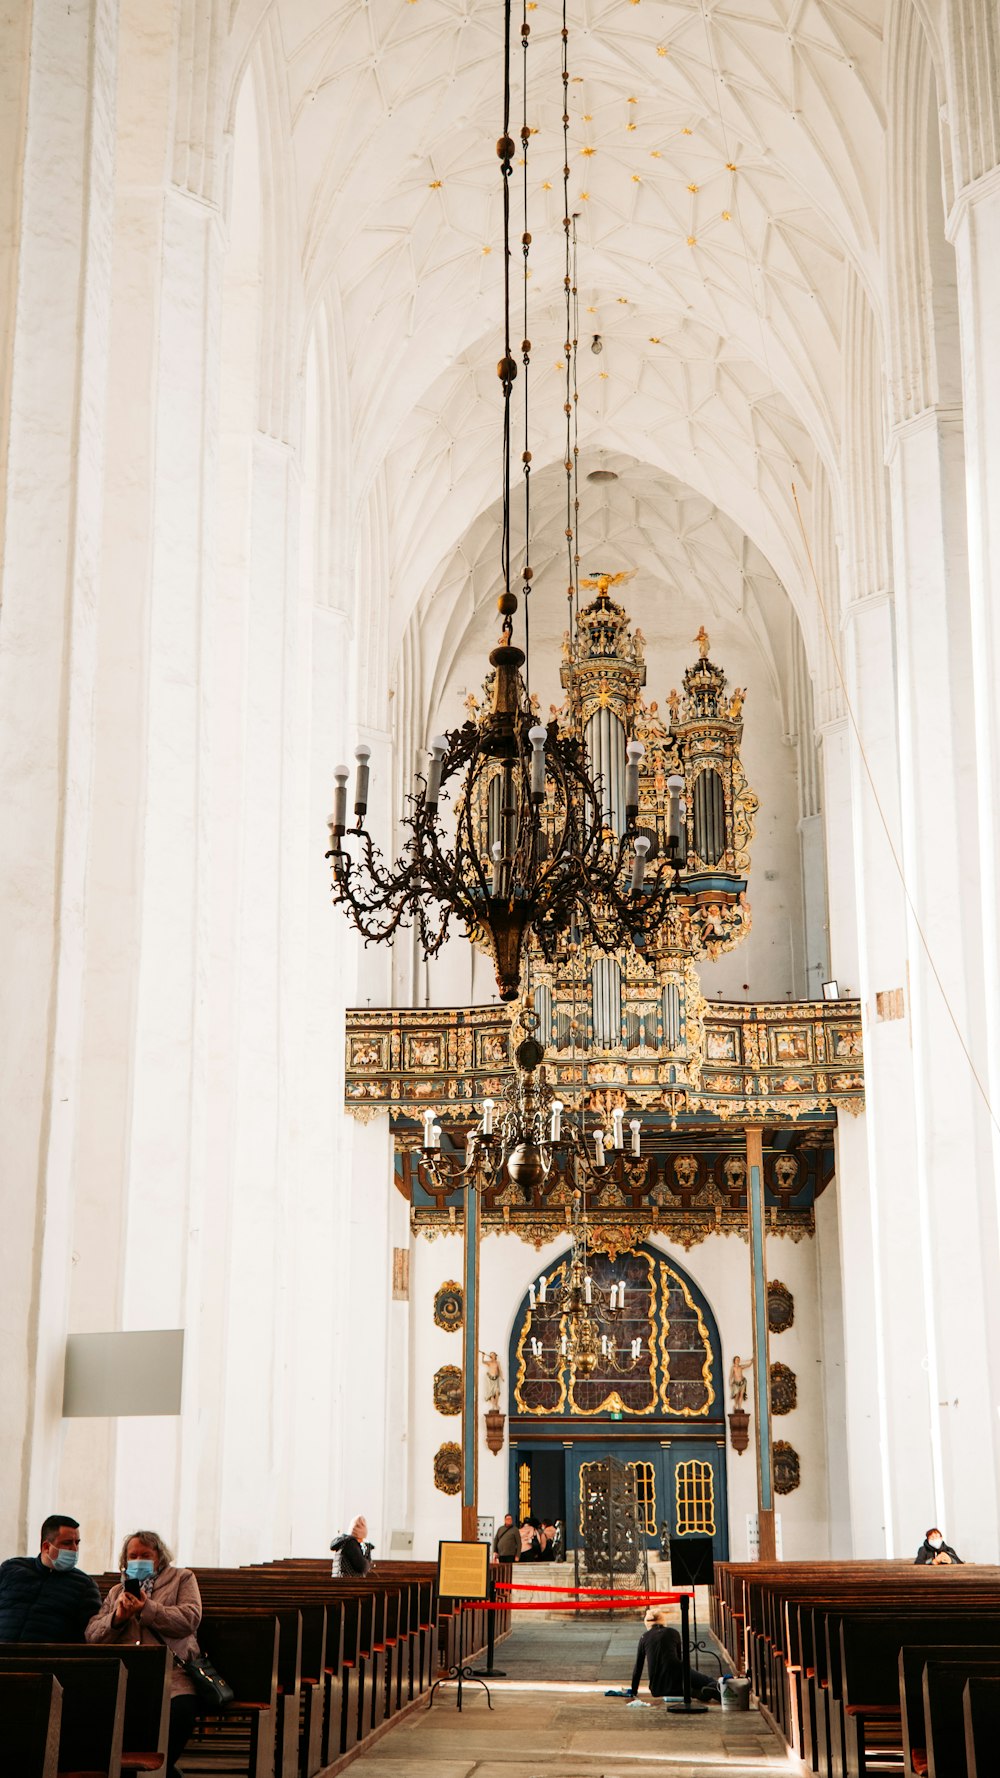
(156, 1603)
(936, 1551)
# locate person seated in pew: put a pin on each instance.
(936, 1551)
(352, 1551)
(662, 1650)
(47, 1598)
(156, 1603)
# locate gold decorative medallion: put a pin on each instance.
(784, 1389)
(786, 1467)
(448, 1389)
(780, 1306)
(448, 1469)
(448, 1306)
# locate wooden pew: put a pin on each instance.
(244, 1649)
(981, 1713)
(944, 1682)
(147, 1693)
(785, 1620)
(912, 1661)
(93, 1709)
(31, 1715)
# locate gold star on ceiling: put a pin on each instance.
(662, 50)
(435, 185)
(692, 240)
(692, 188)
(588, 150)
(726, 216)
(636, 179)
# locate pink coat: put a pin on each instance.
(173, 1609)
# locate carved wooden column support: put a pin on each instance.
(739, 1430)
(494, 1430)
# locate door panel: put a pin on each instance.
(696, 1493)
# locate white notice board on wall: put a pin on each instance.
(753, 1538)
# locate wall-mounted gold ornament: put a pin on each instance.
(448, 1389)
(780, 1307)
(448, 1302)
(448, 1469)
(785, 1459)
(784, 1389)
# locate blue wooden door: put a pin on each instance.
(695, 1492)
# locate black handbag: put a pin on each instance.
(214, 1692)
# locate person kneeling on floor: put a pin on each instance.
(661, 1650)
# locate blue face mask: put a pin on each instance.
(66, 1559)
(140, 1569)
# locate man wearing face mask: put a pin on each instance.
(47, 1598)
(936, 1551)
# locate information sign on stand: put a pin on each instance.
(463, 1574)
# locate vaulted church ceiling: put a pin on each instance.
(726, 167)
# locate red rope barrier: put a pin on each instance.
(520, 1586)
(612, 1603)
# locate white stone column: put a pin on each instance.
(940, 853)
(62, 168)
(974, 229)
(908, 1424)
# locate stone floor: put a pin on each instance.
(550, 1719)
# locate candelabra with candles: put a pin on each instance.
(525, 1135)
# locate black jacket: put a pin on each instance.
(660, 1646)
(39, 1604)
(354, 1557)
(926, 1553)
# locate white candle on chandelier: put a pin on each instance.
(634, 754)
(362, 754)
(674, 785)
(439, 747)
(496, 853)
(338, 825)
(563, 1345)
(542, 1288)
(557, 1111)
(435, 1135)
(531, 1296)
(428, 1129)
(588, 1289)
(636, 1348)
(614, 1298)
(618, 1133)
(488, 1117)
(599, 1146)
(538, 737)
(635, 1126)
(639, 865)
(604, 1345)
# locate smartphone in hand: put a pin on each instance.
(132, 1587)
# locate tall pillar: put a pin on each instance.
(59, 168)
(470, 1365)
(944, 945)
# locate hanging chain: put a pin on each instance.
(507, 368)
(527, 570)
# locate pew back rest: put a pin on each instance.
(31, 1715)
(93, 1709)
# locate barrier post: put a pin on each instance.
(687, 1708)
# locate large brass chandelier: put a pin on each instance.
(508, 829)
